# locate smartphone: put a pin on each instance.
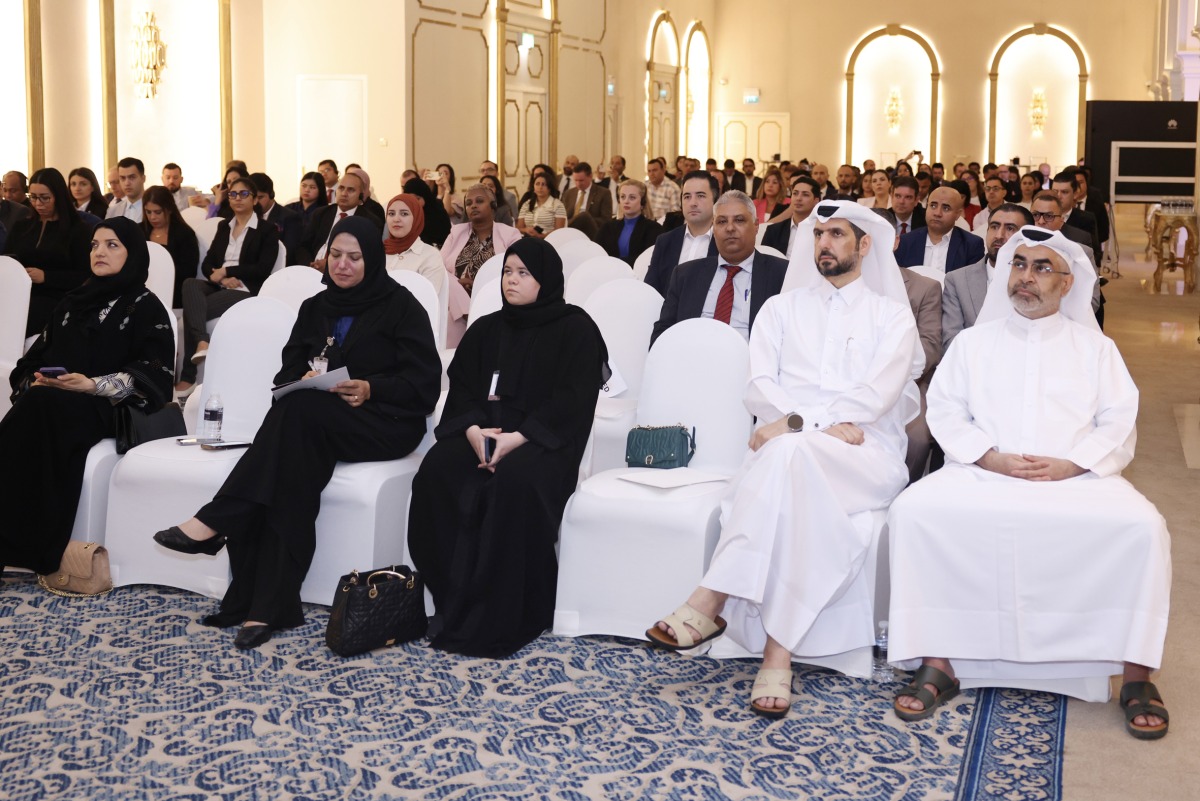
(224, 446)
(537, 228)
(194, 440)
(430, 175)
(52, 372)
(489, 447)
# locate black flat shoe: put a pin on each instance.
(220, 620)
(174, 539)
(252, 636)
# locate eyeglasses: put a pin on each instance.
(41, 198)
(1038, 267)
(240, 194)
(1045, 215)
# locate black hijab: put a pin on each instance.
(376, 286)
(100, 290)
(522, 322)
(437, 221)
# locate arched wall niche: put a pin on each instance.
(934, 80)
(662, 88)
(697, 95)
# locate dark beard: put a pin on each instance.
(839, 268)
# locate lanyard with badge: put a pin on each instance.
(320, 363)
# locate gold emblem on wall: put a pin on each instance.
(149, 56)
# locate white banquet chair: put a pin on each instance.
(566, 235)
(490, 270)
(292, 285)
(485, 299)
(641, 265)
(422, 289)
(14, 312)
(592, 274)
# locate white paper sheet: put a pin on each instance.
(615, 385)
(323, 382)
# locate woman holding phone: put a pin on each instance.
(266, 511)
(109, 343)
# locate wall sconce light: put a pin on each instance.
(893, 111)
(149, 56)
(1037, 111)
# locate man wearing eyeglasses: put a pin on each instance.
(1048, 213)
(995, 192)
(315, 240)
(1027, 561)
(132, 175)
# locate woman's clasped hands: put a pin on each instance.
(505, 443)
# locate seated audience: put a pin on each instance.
(877, 189)
(975, 202)
(965, 289)
(692, 240)
(484, 518)
(1031, 184)
(1065, 185)
(312, 198)
(732, 286)
(806, 193)
(925, 300)
(771, 199)
(286, 222)
(329, 178)
(941, 244)
(1036, 412)
(221, 206)
(114, 339)
(542, 212)
(132, 175)
(114, 192)
(437, 222)
(369, 203)
(52, 246)
(832, 363)
(589, 206)
(402, 243)
(995, 194)
(266, 510)
(163, 224)
(12, 213)
(628, 237)
(239, 260)
(450, 200)
(85, 191)
(481, 237)
(315, 240)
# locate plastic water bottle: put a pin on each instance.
(214, 415)
(881, 670)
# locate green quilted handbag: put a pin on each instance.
(660, 446)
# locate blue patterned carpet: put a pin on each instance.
(127, 696)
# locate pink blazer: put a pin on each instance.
(502, 236)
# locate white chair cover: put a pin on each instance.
(160, 483)
(280, 259)
(625, 314)
(206, 231)
(770, 251)
(162, 274)
(14, 312)
(592, 274)
(641, 265)
(194, 215)
(760, 233)
(929, 272)
(576, 253)
(657, 542)
(485, 299)
(422, 289)
(292, 285)
(490, 270)
(564, 236)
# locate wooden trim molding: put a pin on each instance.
(34, 102)
(225, 47)
(108, 84)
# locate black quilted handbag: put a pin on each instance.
(385, 609)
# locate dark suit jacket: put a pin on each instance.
(778, 235)
(12, 213)
(599, 209)
(290, 227)
(831, 191)
(317, 232)
(916, 222)
(689, 287)
(607, 182)
(1085, 221)
(738, 182)
(964, 249)
(645, 233)
(259, 249)
(666, 257)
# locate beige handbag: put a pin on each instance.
(82, 572)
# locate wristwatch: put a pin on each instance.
(795, 422)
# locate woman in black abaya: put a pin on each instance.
(483, 531)
(114, 339)
(267, 509)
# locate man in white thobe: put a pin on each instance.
(1027, 561)
(832, 364)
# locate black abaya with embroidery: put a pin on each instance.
(484, 541)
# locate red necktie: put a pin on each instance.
(725, 296)
(329, 194)
(903, 229)
(341, 216)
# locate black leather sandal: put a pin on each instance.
(926, 674)
(1148, 702)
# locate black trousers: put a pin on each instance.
(267, 509)
(202, 301)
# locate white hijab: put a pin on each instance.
(880, 272)
(1076, 304)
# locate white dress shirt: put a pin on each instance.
(739, 318)
(123, 208)
(935, 255)
(694, 247)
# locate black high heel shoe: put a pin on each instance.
(176, 540)
(252, 636)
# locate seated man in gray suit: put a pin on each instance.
(925, 298)
(730, 286)
(589, 205)
(965, 289)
